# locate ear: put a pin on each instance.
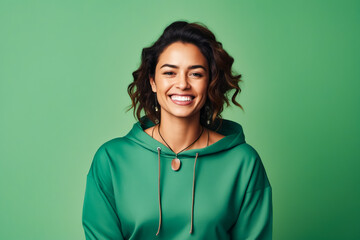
(152, 83)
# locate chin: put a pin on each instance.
(185, 114)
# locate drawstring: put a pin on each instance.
(159, 149)
(193, 195)
(193, 192)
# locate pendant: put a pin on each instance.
(175, 164)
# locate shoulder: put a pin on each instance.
(105, 157)
(249, 150)
(114, 144)
(247, 153)
(108, 150)
(253, 166)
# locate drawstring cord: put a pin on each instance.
(193, 194)
(159, 149)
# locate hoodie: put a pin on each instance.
(220, 191)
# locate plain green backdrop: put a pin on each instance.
(64, 71)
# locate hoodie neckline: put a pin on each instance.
(232, 131)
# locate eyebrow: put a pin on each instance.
(191, 67)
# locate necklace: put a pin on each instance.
(176, 163)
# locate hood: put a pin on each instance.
(232, 131)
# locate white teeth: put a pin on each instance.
(181, 98)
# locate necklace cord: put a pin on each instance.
(152, 133)
(202, 130)
(207, 143)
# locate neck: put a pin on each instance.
(179, 133)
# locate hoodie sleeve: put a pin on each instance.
(255, 218)
(99, 217)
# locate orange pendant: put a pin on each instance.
(175, 164)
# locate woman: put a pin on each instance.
(181, 172)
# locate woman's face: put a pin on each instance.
(181, 80)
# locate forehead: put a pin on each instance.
(179, 53)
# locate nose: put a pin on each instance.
(182, 82)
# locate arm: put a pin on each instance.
(99, 217)
(256, 215)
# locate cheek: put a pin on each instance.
(203, 94)
(203, 89)
(162, 86)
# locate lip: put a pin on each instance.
(182, 103)
(181, 94)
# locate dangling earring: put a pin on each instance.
(208, 122)
(156, 105)
(156, 110)
(208, 115)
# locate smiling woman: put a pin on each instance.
(180, 82)
(210, 184)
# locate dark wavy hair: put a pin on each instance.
(221, 78)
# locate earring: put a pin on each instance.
(156, 110)
(208, 114)
(156, 105)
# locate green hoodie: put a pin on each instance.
(220, 191)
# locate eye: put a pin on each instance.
(169, 73)
(196, 75)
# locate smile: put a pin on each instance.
(182, 99)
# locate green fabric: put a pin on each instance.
(233, 197)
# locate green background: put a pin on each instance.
(65, 67)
